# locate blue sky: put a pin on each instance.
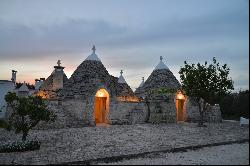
(128, 34)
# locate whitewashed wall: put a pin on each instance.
(5, 87)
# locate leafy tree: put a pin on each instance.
(26, 113)
(205, 82)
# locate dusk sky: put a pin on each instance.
(128, 34)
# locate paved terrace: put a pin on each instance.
(88, 143)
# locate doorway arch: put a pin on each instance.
(101, 106)
(180, 106)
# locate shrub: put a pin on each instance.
(20, 146)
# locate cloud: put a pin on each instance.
(20, 41)
(74, 35)
(135, 48)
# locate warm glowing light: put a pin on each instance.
(100, 94)
(180, 96)
(41, 94)
(128, 98)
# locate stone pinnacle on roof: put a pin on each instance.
(93, 56)
(142, 83)
(121, 78)
(161, 65)
(59, 62)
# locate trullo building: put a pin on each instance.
(91, 96)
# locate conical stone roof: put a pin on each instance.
(91, 75)
(161, 77)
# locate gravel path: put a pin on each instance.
(235, 154)
(89, 143)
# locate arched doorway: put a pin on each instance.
(101, 106)
(180, 101)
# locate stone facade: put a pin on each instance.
(76, 97)
(162, 108)
(75, 113)
(127, 113)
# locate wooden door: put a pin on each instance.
(100, 109)
(180, 104)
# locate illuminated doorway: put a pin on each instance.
(101, 106)
(180, 100)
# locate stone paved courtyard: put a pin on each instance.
(88, 143)
(235, 154)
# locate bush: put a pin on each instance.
(26, 113)
(235, 105)
(20, 146)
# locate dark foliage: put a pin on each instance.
(26, 113)
(235, 105)
(205, 83)
(20, 146)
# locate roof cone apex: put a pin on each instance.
(161, 65)
(121, 79)
(93, 56)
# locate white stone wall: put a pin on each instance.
(5, 87)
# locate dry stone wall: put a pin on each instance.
(64, 117)
(127, 113)
(212, 114)
(162, 108)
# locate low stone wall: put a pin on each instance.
(211, 115)
(65, 117)
(127, 112)
(193, 114)
(162, 109)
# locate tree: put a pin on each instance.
(235, 105)
(205, 82)
(26, 113)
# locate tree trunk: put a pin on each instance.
(24, 136)
(201, 111)
(147, 119)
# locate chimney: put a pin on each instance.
(13, 78)
(58, 76)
